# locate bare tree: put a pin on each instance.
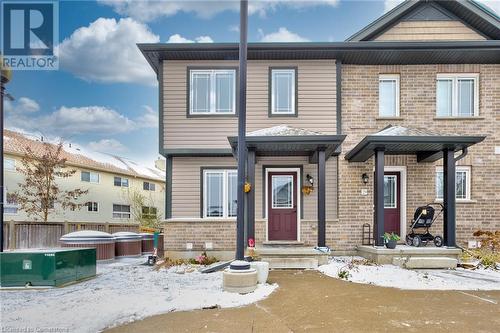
(39, 192)
(144, 210)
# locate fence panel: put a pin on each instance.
(38, 235)
(6, 235)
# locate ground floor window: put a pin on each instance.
(219, 193)
(11, 205)
(121, 211)
(149, 212)
(462, 183)
(92, 206)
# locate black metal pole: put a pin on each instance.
(2, 91)
(240, 220)
(251, 195)
(379, 198)
(321, 198)
(449, 201)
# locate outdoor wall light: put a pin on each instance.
(310, 179)
(307, 189)
(365, 178)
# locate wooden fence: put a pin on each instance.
(26, 235)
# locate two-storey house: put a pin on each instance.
(340, 135)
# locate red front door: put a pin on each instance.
(392, 202)
(282, 205)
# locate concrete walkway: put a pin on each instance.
(309, 301)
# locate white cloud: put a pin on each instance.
(149, 119)
(234, 28)
(23, 105)
(492, 4)
(176, 38)
(106, 51)
(107, 146)
(282, 35)
(149, 10)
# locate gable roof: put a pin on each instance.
(474, 15)
(15, 143)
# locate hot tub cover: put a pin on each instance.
(123, 235)
(87, 236)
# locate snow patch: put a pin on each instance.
(123, 291)
(397, 277)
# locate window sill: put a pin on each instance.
(389, 118)
(212, 115)
(459, 118)
(199, 219)
(458, 201)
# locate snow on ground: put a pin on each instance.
(393, 276)
(123, 291)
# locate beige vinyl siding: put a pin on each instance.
(429, 30)
(316, 103)
(186, 178)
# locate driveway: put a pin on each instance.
(312, 302)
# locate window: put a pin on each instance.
(10, 206)
(390, 191)
(122, 182)
(282, 191)
(457, 95)
(149, 212)
(121, 211)
(219, 193)
(9, 164)
(92, 206)
(388, 95)
(89, 177)
(462, 183)
(283, 92)
(147, 186)
(212, 91)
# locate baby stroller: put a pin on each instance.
(423, 218)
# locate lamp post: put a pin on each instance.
(6, 75)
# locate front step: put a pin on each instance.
(291, 257)
(427, 262)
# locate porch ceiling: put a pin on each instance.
(398, 140)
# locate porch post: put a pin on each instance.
(321, 198)
(251, 195)
(449, 228)
(378, 199)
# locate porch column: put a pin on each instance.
(251, 196)
(321, 198)
(378, 200)
(449, 226)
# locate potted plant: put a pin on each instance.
(390, 240)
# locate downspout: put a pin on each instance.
(462, 155)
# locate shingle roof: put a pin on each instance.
(283, 130)
(405, 131)
(15, 143)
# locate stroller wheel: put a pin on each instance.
(409, 240)
(438, 241)
(417, 241)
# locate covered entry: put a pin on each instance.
(428, 147)
(283, 185)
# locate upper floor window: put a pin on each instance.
(92, 206)
(9, 164)
(147, 186)
(212, 91)
(219, 193)
(283, 92)
(388, 95)
(457, 95)
(119, 181)
(89, 177)
(462, 183)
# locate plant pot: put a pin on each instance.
(391, 244)
(262, 269)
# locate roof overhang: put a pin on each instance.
(362, 53)
(291, 145)
(427, 148)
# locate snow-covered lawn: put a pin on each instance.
(122, 292)
(393, 276)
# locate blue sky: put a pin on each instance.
(104, 96)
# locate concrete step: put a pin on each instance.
(291, 257)
(291, 263)
(426, 262)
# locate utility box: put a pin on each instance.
(46, 267)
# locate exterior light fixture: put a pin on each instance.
(310, 179)
(365, 178)
(307, 189)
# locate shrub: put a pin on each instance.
(344, 274)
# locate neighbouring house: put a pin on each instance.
(110, 181)
(340, 135)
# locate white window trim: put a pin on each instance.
(395, 193)
(273, 97)
(454, 93)
(213, 106)
(121, 181)
(149, 186)
(225, 180)
(7, 205)
(120, 218)
(90, 181)
(7, 169)
(92, 211)
(390, 77)
(468, 173)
